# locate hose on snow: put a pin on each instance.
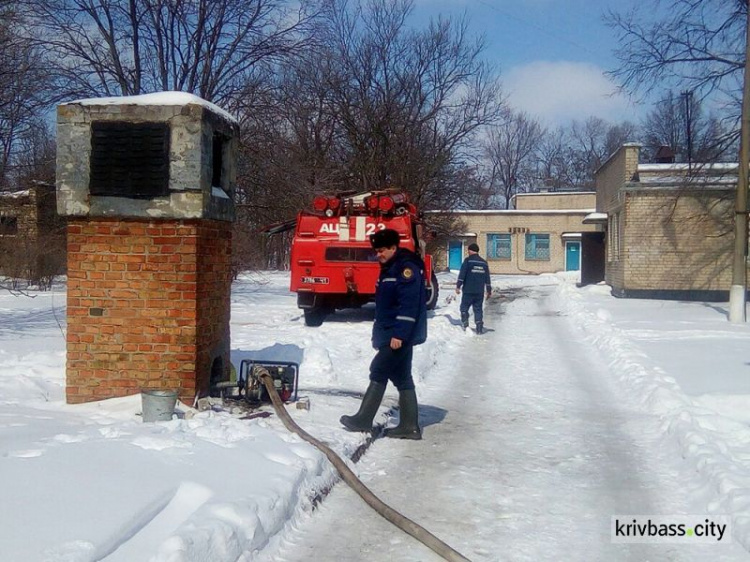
(390, 514)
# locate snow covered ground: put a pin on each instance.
(92, 482)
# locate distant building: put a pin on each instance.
(543, 234)
(32, 238)
(669, 227)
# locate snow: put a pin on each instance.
(93, 482)
(592, 217)
(518, 211)
(16, 194)
(714, 166)
(157, 98)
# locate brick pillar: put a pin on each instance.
(148, 306)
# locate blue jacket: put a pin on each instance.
(474, 275)
(400, 301)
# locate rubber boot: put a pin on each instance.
(408, 425)
(465, 319)
(480, 327)
(362, 420)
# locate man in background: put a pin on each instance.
(474, 279)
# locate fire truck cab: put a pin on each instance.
(333, 265)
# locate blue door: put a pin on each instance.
(572, 256)
(455, 255)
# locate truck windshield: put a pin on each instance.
(350, 254)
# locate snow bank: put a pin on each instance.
(711, 429)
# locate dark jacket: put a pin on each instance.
(474, 276)
(400, 301)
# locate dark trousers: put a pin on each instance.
(393, 365)
(473, 300)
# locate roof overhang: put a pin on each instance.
(595, 218)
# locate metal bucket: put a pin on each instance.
(158, 405)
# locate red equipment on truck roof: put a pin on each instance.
(332, 263)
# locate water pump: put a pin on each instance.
(285, 375)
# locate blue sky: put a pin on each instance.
(552, 54)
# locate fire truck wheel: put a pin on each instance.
(314, 316)
(432, 292)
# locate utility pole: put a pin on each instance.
(738, 291)
(688, 95)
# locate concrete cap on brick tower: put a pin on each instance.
(163, 155)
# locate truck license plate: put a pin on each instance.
(316, 280)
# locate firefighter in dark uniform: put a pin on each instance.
(400, 324)
(474, 278)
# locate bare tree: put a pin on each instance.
(665, 126)
(589, 144)
(693, 45)
(512, 155)
(409, 101)
(568, 156)
(372, 103)
(36, 149)
(212, 48)
(552, 162)
(22, 93)
(617, 135)
(678, 122)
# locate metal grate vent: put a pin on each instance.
(129, 159)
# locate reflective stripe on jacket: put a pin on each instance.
(400, 301)
(474, 276)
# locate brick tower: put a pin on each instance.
(146, 183)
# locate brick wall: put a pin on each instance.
(213, 301)
(620, 168)
(614, 272)
(553, 200)
(148, 306)
(679, 241)
(666, 237)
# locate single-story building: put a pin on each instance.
(669, 227)
(32, 237)
(544, 233)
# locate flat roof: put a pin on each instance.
(517, 212)
(684, 166)
(554, 193)
(682, 186)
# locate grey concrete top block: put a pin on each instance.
(165, 155)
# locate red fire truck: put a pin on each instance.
(332, 263)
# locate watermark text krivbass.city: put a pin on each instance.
(701, 529)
